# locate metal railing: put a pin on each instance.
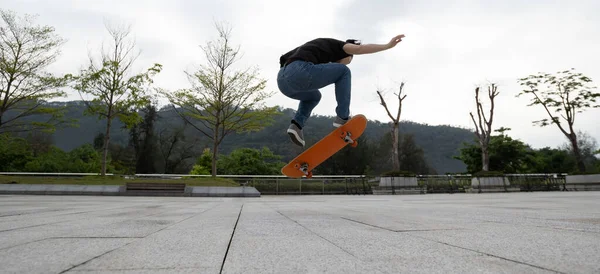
(58, 174)
(283, 185)
(323, 185)
(348, 184)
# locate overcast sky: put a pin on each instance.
(449, 49)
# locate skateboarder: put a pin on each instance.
(316, 64)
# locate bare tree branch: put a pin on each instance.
(483, 129)
(395, 125)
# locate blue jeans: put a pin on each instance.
(302, 80)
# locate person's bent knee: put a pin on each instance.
(347, 70)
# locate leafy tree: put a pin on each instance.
(483, 126)
(115, 92)
(587, 148)
(99, 141)
(121, 159)
(222, 101)
(241, 161)
(55, 160)
(84, 159)
(249, 161)
(412, 157)
(203, 164)
(396, 125)
(568, 93)
(39, 141)
(25, 51)
(15, 152)
(510, 155)
(144, 141)
(552, 160)
(176, 148)
(506, 155)
(381, 154)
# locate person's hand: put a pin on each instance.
(395, 40)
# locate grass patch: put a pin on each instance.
(111, 180)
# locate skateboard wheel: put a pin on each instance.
(309, 175)
(354, 144)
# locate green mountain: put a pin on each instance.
(439, 143)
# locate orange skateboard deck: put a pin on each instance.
(344, 135)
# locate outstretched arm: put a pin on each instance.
(372, 48)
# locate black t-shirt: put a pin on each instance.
(317, 51)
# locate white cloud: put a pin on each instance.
(449, 48)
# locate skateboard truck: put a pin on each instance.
(304, 168)
(347, 137)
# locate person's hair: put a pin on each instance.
(353, 41)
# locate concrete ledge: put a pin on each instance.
(585, 178)
(588, 182)
(221, 191)
(115, 190)
(42, 189)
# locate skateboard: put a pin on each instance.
(344, 135)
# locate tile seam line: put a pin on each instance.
(58, 237)
(491, 255)
(95, 257)
(334, 244)
(231, 239)
(464, 248)
(67, 221)
(400, 230)
(70, 213)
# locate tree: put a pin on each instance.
(395, 124)
(506, 155)
(552, 160)
(25, 51)
(250, 161)
(143, 139)
(568, 94)
(203, 164)
(176, 148)
(39, 141)
(223, 100)
(15, 152)
(412, 157)
(483, 129)
(115, 93)
(587, 145)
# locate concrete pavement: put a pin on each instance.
(544, 232)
